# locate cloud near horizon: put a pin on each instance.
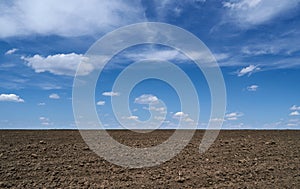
(233, 116)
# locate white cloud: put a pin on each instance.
(100, 103)
(259, 50)
(54, 96)
(45, 121)
(294, 108)
(179, 115)
(294, 120)
(294, 113)
(10, 98)
(157, 109)
(292, 124)
(131, 117)
(111, 93)
(248, 13)
(248, 70)
(146, 99)
(252, 88)
(59, 64)
(159, 54)
(217, 120)
(66, 18)
(183, 117)
(233, 116)
(48, 86)
(173, 55)
(221, 56)
(43, 118)
(11, 51)
(159, 118)
(188, 119)
(41, 104)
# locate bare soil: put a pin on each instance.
(237, 159)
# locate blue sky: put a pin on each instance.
(256, 44)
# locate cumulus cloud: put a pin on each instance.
(54, 96)
(178, 115)
(146, 99)
(66, 18)
(111, 93)
(100, 103)
(59, 64)
(11, 51)
(294, 113)
(41, 104)
(248, 13)
(248, 70)
(233, 116)
(10, 98)
(183, 117)
(295, 108)
(252, 88)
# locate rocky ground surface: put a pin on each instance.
(237, 159)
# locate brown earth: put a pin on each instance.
(237, 159)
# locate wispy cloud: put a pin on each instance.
(248, 70)
(258, 50)
(11, 51)
(10, 98)
(295, 108)
(293, 123)
(162, 53)
(111, 93)
(135, 118)
(45, 121)
(252, 88)
(248, 13)
(65, 18)
(233, 116)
